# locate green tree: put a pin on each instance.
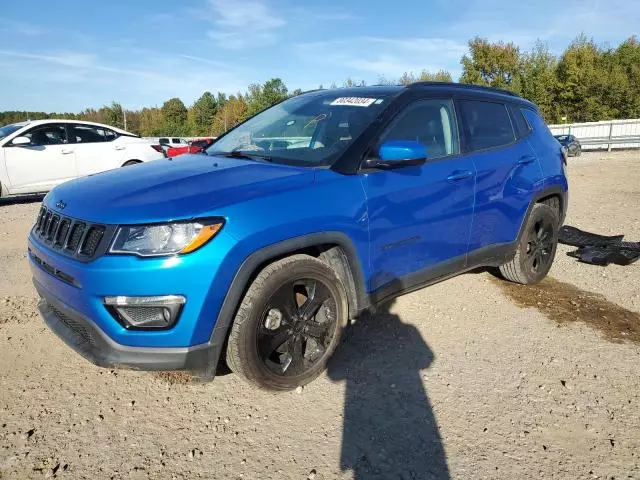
(260, 97)
(201, 113)
(439, 76)
(538, 82)
(582, 82)
(234, 111)
(151, 122)
(113, 115)
(174, 114)
(493, 64)
(407, 78)
(626, 78)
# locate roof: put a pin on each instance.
(449, 87)
(83, 122)
(465, 86)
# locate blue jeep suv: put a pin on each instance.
(294, 222)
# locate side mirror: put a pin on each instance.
(398, 153)
(21, 141)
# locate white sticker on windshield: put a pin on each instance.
(353, 101)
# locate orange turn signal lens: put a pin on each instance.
(204, 235)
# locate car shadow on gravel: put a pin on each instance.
(389, 427)
(21, 199)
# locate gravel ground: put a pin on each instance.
(470, 378)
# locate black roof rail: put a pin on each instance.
(468, 86)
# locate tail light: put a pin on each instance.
(565, 154)
(158, 148)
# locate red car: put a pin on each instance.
(196, 146)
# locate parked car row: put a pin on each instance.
(35, 156)
(194, 146)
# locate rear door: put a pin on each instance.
(507, 172)
(44, 163)
(96, 148)
(420, 216)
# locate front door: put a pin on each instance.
(42, 164)
(420, 216)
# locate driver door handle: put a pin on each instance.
(459, 175)
(526, 159)
(119, 147)
(66, 151)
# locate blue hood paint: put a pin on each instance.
(187, 187)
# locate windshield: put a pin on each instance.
(9, 129)
(312, 129)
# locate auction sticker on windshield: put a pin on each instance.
(353, 101)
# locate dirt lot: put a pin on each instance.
(470, 378)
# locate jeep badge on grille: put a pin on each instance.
(61, 205)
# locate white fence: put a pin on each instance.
(605, 134)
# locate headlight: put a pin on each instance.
(167, 239)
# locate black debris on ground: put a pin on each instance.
(599, 249)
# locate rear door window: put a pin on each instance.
(88, 134)
(110, 135)
(486, 124)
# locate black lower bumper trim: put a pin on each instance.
(86, 338)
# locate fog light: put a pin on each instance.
(159, 312)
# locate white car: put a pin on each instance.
(36, 156)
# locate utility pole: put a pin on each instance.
(124, 115)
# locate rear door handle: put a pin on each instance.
(459, 175)
(118, 147)
(526, 159)
(66, 152)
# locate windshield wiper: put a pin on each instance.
(236, 153)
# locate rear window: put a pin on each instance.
(486, 124)
(535, 120)
(519, 122)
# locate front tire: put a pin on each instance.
(288, 324)
(536, 248)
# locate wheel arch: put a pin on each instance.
(131, 161)
(547, 196)
(334, 248)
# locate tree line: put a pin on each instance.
(587, 82)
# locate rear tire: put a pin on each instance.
(289, 324)
(578, 152)
(536, 248)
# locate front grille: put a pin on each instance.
(92, 240)
(71, 237)
(77, 231)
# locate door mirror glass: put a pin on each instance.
(19, 141)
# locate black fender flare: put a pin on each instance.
(547, 192)
(252, 263)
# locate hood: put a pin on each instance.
(190, 186)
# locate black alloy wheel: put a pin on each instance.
(298, 325)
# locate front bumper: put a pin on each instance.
(86, 338)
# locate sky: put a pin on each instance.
(73, 54)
